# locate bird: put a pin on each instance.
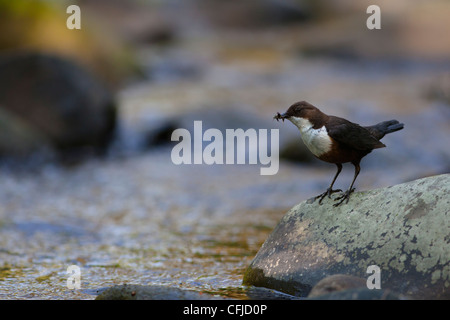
(336, 140)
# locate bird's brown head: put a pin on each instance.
(301, 109)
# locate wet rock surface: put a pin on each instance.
(402, 229)
(360, 294)
(138, 292)
(336, 282)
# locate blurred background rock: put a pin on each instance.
(184, 46)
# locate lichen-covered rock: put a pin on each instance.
(403, 229)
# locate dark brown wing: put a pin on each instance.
(352, 135)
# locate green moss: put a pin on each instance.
(7, 272)
(46, 277)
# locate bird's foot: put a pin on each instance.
(343, 197)
(328, 193)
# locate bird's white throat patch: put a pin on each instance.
(317, 140)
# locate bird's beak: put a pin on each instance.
(281, 116)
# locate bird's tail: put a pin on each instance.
(381, 129)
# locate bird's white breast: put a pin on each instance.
(317, 140)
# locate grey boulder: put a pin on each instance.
(404, 230)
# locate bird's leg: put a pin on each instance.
(330, 190)
(346, 195)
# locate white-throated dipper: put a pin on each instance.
(336, 140)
